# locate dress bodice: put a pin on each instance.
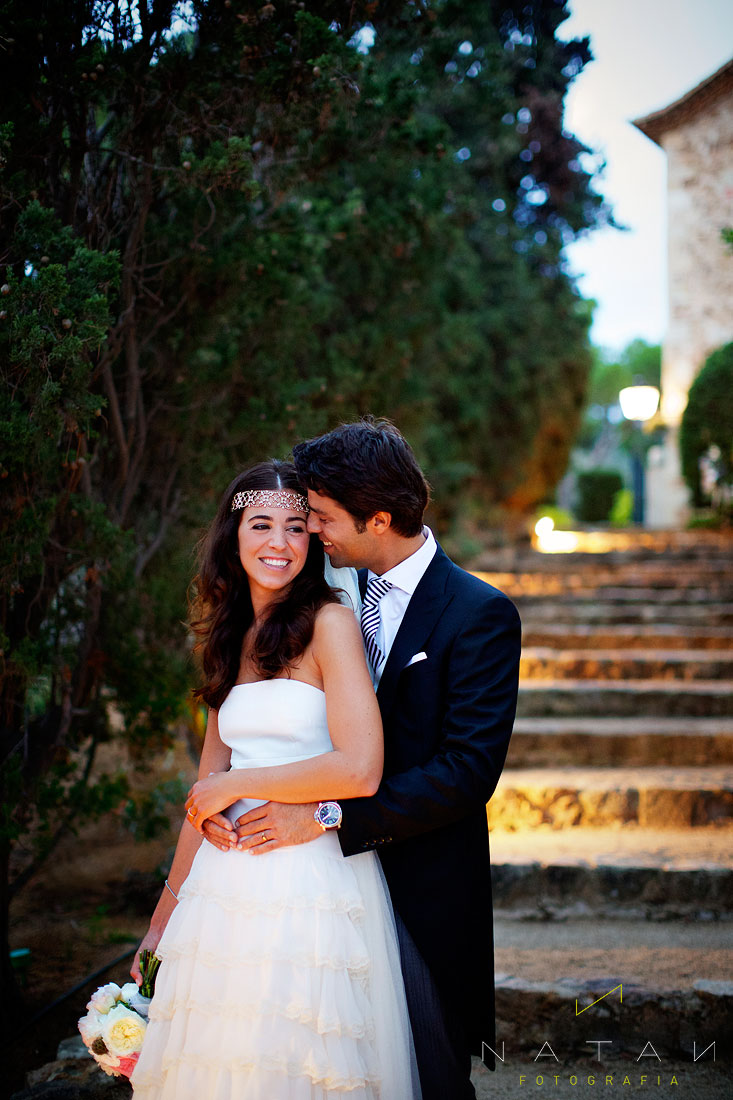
(274, 721)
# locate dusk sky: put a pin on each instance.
(647, 54)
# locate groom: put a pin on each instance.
(444, 651)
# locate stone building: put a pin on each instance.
(696, 133)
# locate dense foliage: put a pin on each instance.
(706, 430)
(597, 490)
(225, 226)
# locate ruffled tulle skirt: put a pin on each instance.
(280, 981)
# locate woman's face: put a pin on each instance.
(273, 546)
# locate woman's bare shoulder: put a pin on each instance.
(335, 616)
(335, 626)
(337, 642)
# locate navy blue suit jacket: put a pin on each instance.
(447, 723)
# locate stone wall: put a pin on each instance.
(700, 197)
(699, 148)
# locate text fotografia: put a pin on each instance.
(591, 1079)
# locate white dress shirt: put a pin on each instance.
(404, 579)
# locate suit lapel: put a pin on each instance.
(426, 605)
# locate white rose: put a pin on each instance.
(90, 1026)
(105, 997)
(132, 997)
(123, 1031)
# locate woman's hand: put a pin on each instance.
(150, 941)
(209, 796)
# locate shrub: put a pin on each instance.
(596, 492)
(622, 509)
(562, 518)
(707, 422)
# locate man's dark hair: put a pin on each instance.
(367, 467)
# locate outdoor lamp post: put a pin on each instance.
(638, 403)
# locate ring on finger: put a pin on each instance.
(264, 838)
(192, 811)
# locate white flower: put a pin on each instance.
(105, 997)
(133, 999)
(123, 1031)
(90, 1026)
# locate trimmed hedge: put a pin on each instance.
(596, 492)
(708, 420)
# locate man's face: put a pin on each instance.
(337, 529)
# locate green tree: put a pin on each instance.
(643, 362)
(224, 227)
(504, 358)
(639, 362)
(139, 183)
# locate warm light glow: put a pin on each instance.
(550, 541)
(674, 403)
(639, 402)
(585, 542)
(557, 542)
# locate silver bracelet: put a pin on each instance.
(168, 887)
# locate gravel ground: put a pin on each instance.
(664, 955)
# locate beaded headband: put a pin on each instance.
(270, 498)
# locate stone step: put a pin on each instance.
(624, 873)
(632, 742)
(639, 590)
(652, 797)
(610, 549)
(544, 662)
(564, 634)
(540, 611)
(717, 578)
(622, 593)
(606, 698)
(676, 993)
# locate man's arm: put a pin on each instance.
(483, 673)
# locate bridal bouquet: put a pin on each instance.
(114, 1026)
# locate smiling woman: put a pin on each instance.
(261, 989)
(256, 548)
(273, 546)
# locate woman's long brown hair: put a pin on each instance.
(222, 612)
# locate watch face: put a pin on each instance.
(329, 815)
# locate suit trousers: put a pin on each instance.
(443, 1055)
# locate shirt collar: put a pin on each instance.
(408, 574)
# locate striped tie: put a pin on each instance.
(376, 588)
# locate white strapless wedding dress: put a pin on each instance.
(281, 976)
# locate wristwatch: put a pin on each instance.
(328, 815)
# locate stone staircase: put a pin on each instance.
(612, 825)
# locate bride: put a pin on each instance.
(280, 977)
